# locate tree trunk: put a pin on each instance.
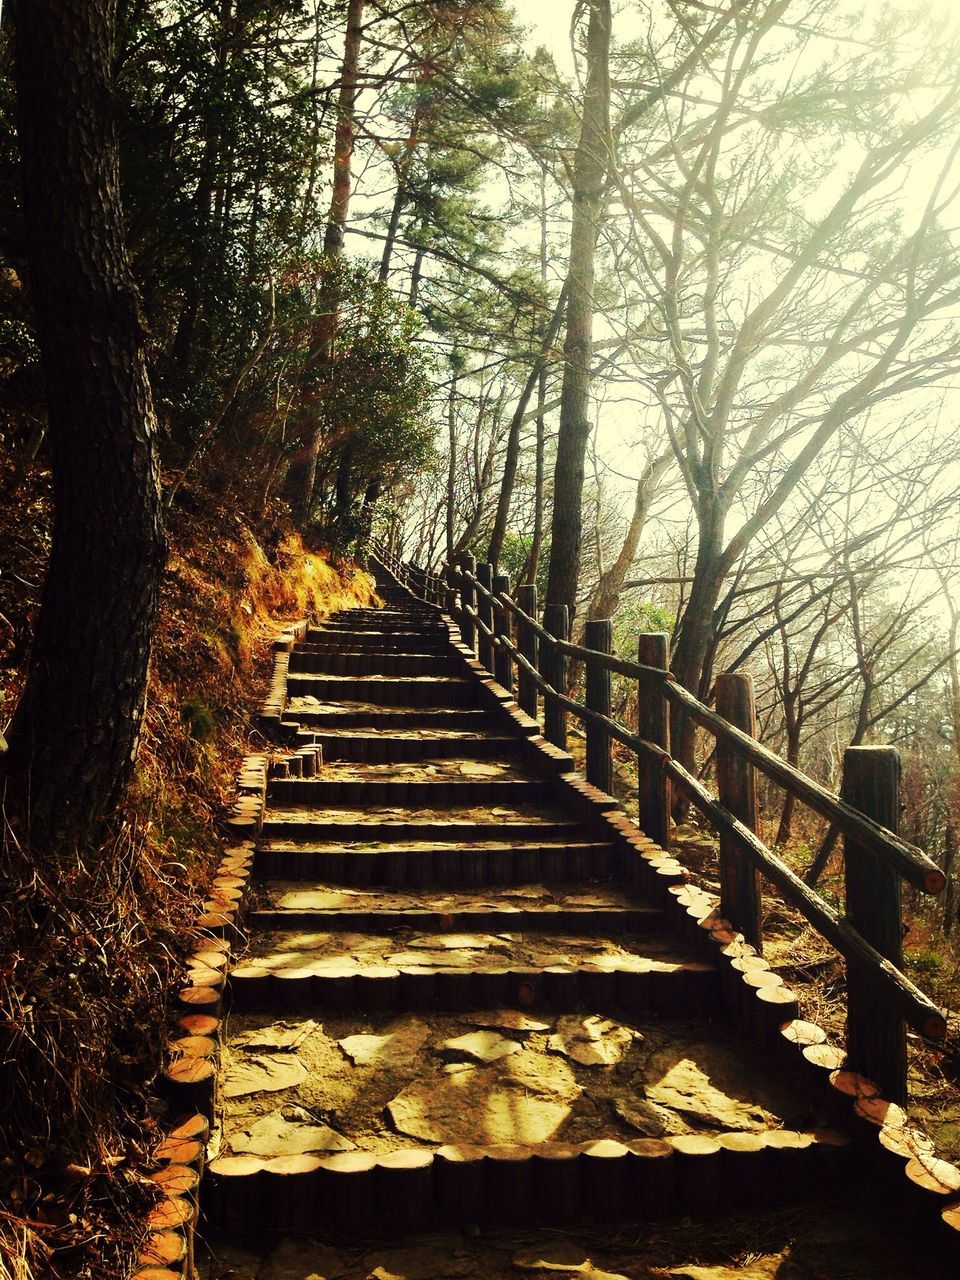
(416, 275)
(532, 565)
(451, 465)
(696, 628)
(313, 146)
(590, 167)
(606, 597)
(950, 893)
(400, 197)
(785, 827)
(336, 223)
(512, 457)
(76, 728)
(203, 203)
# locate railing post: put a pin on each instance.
(468, 600)
(485, 615)
(598, 635)
(527, 644)
(653, 724)
(502, 657)
(737, 789)
(553, 668)
(876, 1033)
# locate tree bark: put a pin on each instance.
(532, 565)
(76, 728)
(203, 203)
(606, 596)
(590, 167)
(333, 236)
(512, 457)
(695, 638)
(451, 465)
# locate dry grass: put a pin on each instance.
(88, 949)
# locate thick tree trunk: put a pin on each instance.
(76, 728)
(590, 168)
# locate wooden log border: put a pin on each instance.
(187, 1085)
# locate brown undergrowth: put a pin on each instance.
(89, 946)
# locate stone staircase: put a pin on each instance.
(459, 1007)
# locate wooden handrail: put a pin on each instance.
(912, 863)
(743, 754)
(917, 1009)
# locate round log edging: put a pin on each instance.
(899, 1159)
(187, 1086)
(275, 703)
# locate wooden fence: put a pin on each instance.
(530, 659)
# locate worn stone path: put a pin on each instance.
(454, 1011)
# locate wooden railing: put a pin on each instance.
(530, 658)
(428, 586)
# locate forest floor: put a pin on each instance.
(81, 993)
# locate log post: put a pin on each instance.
(653, 724)
(553, 668)
(737, 788)
(451, 591)
(502, 657)
(468, 599)
(598, 635)
(876, 1032)
(527, 643)
(485, 615)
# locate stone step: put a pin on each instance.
(367, 642)
(436, 862)
(509, 1036)
(359, 715)
(457, 792)
(291, 905)
(372, 746)
(349, 663)
(410, 970)
(362, 1196)
(384, 622)
(376, 824)
(387, 691)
